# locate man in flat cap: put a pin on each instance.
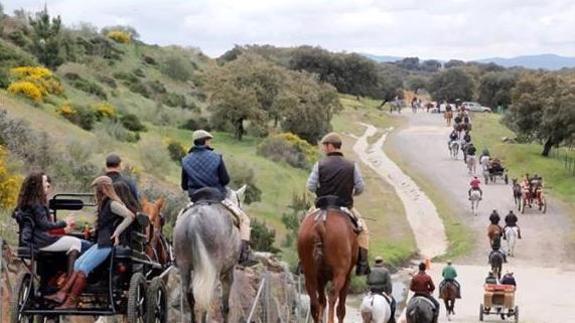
(379, 282)
(114, 171)
(203, 167)
(335, 175)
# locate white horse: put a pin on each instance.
(475, 197)
(471, 164)
(454, 149)
(375, 309)
(511, 234)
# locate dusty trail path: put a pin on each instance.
(543, 264)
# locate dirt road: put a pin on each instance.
(544, 262)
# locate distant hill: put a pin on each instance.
(383, 58)
(544, 61)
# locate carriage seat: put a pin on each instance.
(207, 195)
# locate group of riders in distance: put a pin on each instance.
(212, 234)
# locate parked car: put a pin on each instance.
(475, 107)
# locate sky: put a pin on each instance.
(441, 29)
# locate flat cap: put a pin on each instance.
(201, 134)
(378, 259)
(331, 138)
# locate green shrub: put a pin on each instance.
(156, 87)
(149, 60)
(108, 81)
(82, 116)
(154, 163)
(197, 123)
(140, 89)
(131, 122)
(86, 85)
(177, 68)
(176, 151)
(243, 174)
(262, 237)
(288, 148)
(174, 100)
(117, 131)
(139, 72)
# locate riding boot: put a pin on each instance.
(362, 267)
(60, 296)
(72, 300)
(246, 255)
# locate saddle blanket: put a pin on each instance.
(233, 209)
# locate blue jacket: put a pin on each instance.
(202, 167)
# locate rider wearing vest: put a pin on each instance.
(422, 285)
(379, 282)
(491, 279)
(335, 175)
(494, 218)
(508, 279)
(449, 274)
(511, 221)
(475, 182)
(202, 168)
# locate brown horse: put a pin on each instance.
(494, 232)
(157, 247)
(448, 116)
(328, 250)
(448, 293)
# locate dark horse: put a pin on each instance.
(449, 293)
(419, 310)
(328, 250)
(496, 262)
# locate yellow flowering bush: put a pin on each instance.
(67, 111)
(289, 148)
(105, 110)
(27, 89)
(9, 183)
(121, 37)
(29, 80)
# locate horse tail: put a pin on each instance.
(318, 243)
(204, 279)
(367, 317)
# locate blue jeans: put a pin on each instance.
(92, 259)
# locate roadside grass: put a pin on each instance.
(522, 158)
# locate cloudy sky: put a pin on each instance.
(465, 29)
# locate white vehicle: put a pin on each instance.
(475, 107)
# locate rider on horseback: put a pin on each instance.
(201, 168)
(494, 218)
(422, 285)
(335, 175)
(497, 249)
(511, 221)
(475, 182)
(379, 282)
(449, 274)
(467, 137)
(452, 137)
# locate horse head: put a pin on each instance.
(154, 210)
(237, 196)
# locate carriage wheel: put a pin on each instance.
(156, 299)
(481, 312)
(20, 297)
(136, 312)
(516, 314)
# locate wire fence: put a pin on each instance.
(567, 157)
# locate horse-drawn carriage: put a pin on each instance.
(499, 300)
(533, 195)
(493, 169)
(128, 283)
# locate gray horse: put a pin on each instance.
(207, 247)
(419, 310)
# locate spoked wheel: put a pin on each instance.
(20, 297)
(136, 312)
(157, 311)
(481, 312)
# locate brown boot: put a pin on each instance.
(72, 300)
(60, 296)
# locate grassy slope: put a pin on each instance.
(390, 233)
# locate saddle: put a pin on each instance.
(334, 203)
(209, 196)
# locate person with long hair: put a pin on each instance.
(45, 235)
(110, 209)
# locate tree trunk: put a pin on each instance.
(547, 147)
(240, 129)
